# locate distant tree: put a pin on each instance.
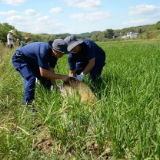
(49, 38)
(94, 37)
(36, 38)
(62, 36)
(140, 31)
(109, 33)
(158, 25)
(4, 29)
(17, 35)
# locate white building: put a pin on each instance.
(130, 35)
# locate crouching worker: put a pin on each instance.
(38, 60)
(85, 57)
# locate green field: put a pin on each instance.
(123, 124)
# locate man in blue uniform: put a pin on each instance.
(38, 60)
(85, 57)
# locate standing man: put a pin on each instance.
(38, 60)
(85, 57)
(10, 39)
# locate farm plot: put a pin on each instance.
(123, 123)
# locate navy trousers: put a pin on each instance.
(29, 72)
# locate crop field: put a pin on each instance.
(124, 123)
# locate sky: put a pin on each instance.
(77, 16)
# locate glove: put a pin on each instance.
(80, 77)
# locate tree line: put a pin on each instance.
(144, 32)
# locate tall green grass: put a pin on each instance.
(123, 123)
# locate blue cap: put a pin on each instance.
(72, 42)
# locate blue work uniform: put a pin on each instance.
(80, 60)
(27, 61)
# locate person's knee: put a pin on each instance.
(95, 76)
(29, 86)
(30, 82)
(31, 78)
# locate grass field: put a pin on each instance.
(123, 124)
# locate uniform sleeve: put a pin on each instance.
(90, 50)
(72, 62)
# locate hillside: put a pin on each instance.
(144, 32)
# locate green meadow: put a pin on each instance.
(124, 123)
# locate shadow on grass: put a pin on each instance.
(109, 83)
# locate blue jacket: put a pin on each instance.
(89, 50)
(37, 53)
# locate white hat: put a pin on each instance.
(11, 31)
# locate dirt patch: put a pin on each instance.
(42, 140)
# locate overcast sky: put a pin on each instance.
(77, 16)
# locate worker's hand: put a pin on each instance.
(80, 77)
(65, 78)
